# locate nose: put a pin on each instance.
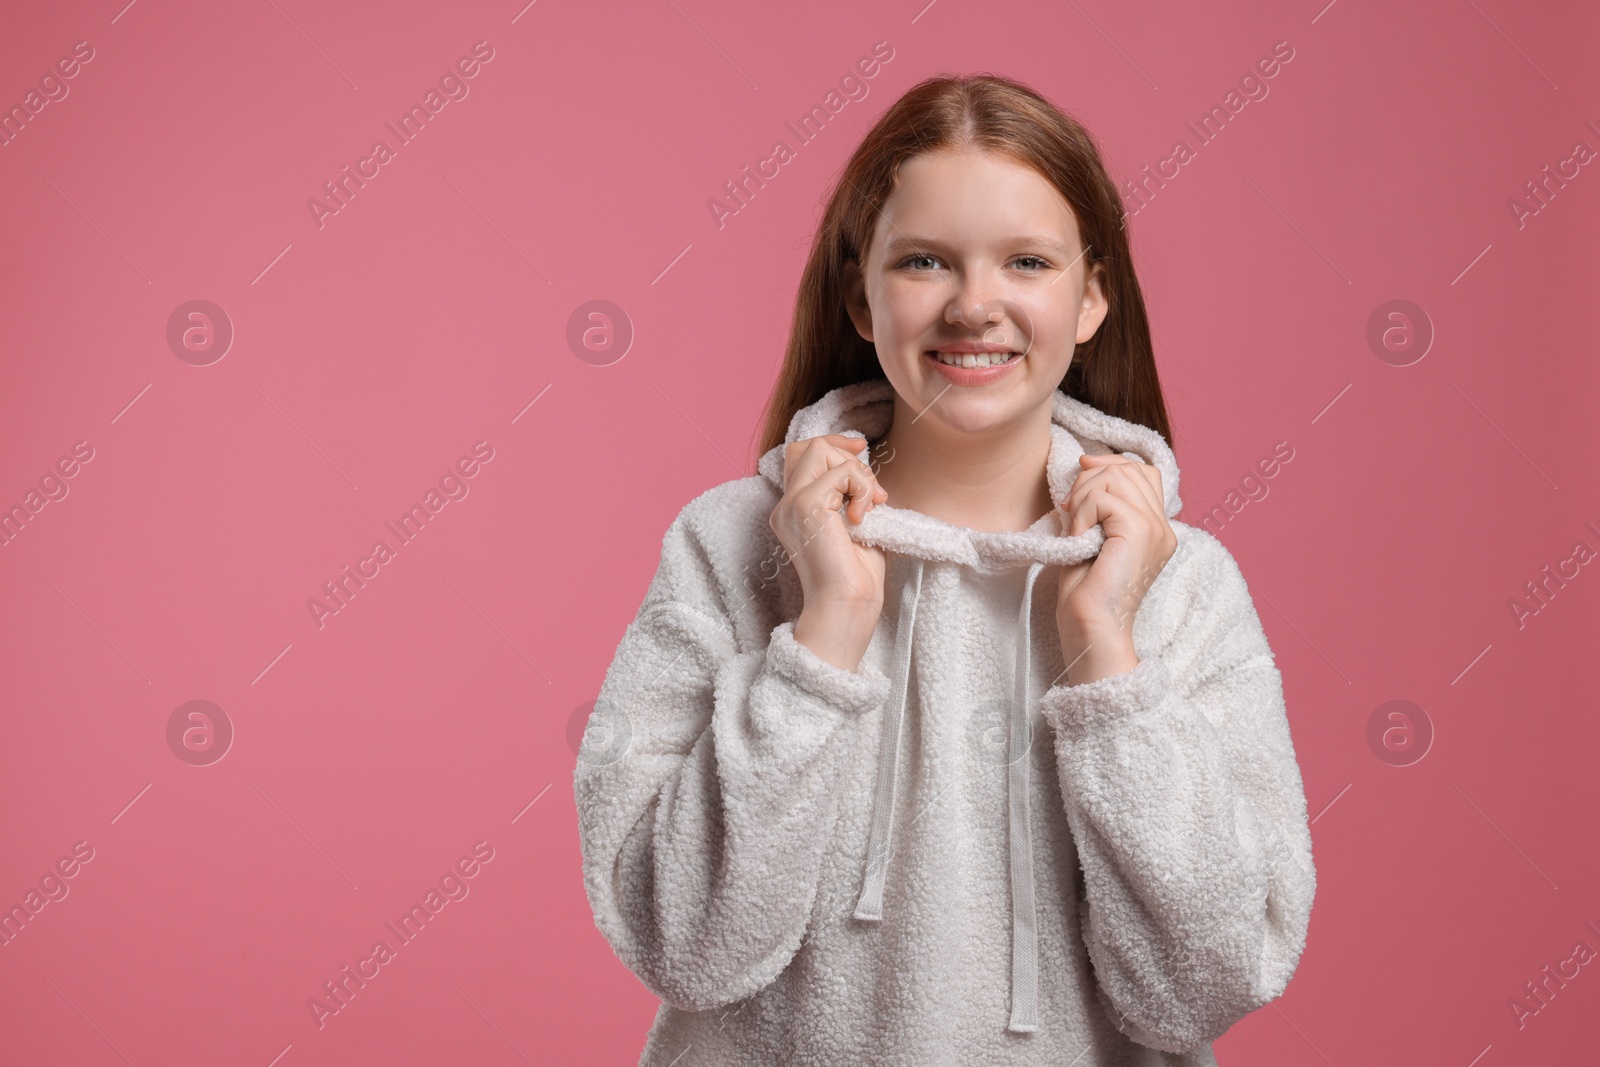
(967, 310)
(975, 303)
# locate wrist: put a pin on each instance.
(838, 633)
(1108, 621)
(842, 616)
(1092, 653)
(1096, 629)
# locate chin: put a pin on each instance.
(964, 411)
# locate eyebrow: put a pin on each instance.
(916, 242)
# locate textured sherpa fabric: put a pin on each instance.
(947, 856)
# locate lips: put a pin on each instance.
(977, 374)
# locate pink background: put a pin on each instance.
(436, 710)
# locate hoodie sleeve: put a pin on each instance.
(705, 785)
(1188, 811)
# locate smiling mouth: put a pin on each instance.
(975, 359)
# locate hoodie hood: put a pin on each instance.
(866, 410)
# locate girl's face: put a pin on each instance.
(974, 251)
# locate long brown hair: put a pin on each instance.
(1114, 371)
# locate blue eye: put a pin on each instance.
(1042, 265)
(914, 258)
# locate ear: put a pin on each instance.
(1094, 308)
(855, 299)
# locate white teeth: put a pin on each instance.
(972, 359)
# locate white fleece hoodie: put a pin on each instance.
(948, 855)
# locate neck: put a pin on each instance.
(992, 480)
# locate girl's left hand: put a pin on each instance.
(1098, 598)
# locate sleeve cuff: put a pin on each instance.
(857, 691)
(1078, 708)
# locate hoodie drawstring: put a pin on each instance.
(1024, 920)
(870, 906)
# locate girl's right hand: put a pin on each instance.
(841, 581)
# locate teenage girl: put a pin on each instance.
(940, 739)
